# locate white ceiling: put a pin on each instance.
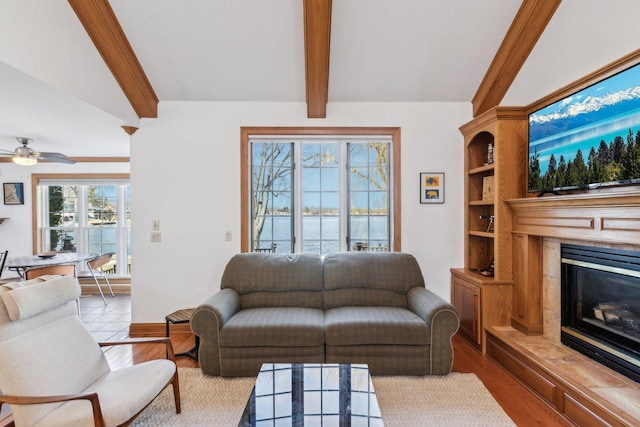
(55, 87)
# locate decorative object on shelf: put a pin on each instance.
(432, 187)
(13, 193)
(487, 187)
(490, 153)
(487, 271)
(490, 219)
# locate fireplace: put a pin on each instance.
(600, 292)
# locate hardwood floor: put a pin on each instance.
(112, 322)
(524, 408)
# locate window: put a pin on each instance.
(86, 216)
(320, 192)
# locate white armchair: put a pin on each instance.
(53, 372)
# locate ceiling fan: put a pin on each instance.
(26, 156)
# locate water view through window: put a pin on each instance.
(336, 199)
(87, 217)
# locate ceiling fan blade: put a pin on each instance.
(53, 157)
(2, 151)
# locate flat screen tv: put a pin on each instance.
(588, 139)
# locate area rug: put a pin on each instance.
(453, 400)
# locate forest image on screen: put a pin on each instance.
(589, 138)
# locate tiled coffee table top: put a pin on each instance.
(312, 395)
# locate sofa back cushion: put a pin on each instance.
(369, 278)
(275, 280)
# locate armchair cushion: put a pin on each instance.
(123, 393)
(38, 297)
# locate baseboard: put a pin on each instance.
(137, 330)
(90, 288)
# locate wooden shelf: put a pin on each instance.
(482, 169)
(486, 234)
(481, 202)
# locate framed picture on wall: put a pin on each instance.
(432, 187)
(13, 193)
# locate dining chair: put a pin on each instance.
(61, 270)
(57, 270)
(95, 266)
(3, 259)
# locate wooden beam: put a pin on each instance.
(526, 28)
(317, 37)
(130, 130)
(103, 27)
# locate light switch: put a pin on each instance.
(155, 225)
(156, 236)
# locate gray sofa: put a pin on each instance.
(349, 307)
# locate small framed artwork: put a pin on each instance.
(432, 187)
(13, 193)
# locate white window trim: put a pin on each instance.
(82, 228)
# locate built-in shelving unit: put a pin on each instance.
(514, 316)
(482, 289)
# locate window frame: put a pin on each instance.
(80, 179)
(246, 133)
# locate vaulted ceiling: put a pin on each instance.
(72, 72)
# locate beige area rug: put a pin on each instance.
(453, 400)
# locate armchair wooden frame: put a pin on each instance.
(93, 397)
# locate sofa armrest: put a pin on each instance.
(443, 322)
(206, 322)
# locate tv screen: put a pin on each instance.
(588, 139)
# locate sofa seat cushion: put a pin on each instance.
(374, 325)
(274, 327)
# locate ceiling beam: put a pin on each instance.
(317, 36)
(105, 31)
(526, 28)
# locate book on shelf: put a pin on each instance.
(488, 187)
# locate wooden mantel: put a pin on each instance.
(585, 392)
(612, 217)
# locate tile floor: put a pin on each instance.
(106, 322)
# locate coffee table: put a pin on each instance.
(312, 394)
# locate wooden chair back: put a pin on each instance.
(100, 260)
(63, 270)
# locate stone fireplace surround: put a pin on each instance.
(566, 379)
(551, 266)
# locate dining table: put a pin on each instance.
(20, 264)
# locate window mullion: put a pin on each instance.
(345, 213)
(297, 216)
(82, 234)
(121, 240)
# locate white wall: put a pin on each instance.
(16, 232)
(185, 172)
